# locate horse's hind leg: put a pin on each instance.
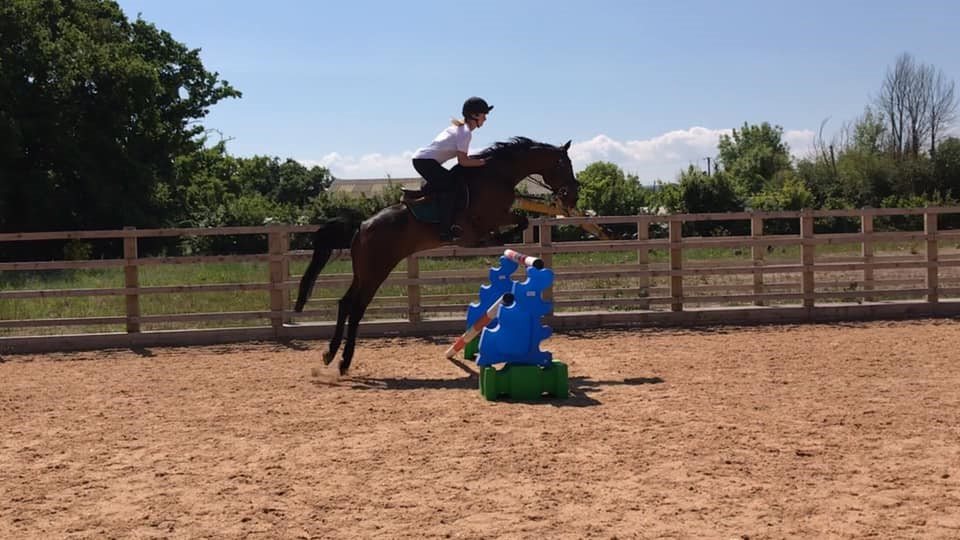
(343, 309)
(359, 307)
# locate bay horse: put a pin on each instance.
(379, 243)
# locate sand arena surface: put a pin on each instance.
(841, 431)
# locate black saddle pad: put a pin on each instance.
(425, 204)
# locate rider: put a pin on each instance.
(453, 142)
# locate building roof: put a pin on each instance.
(371, 186)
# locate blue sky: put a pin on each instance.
(358, 85)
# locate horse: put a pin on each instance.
(394, 233)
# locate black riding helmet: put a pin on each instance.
(474, 106)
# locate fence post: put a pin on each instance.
(131, 280)
(676, 264)
(757, 253)
(528, 235)
(546, 240)
(807, 253)
(413, 289)
(866, 252)
(278, 244)
(933, 270)
(643, 260)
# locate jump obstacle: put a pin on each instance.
(489, 316)
(507, 319)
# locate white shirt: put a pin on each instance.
(446, 145)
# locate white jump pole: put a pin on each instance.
(525, 260)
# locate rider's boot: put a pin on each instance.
(449, 231)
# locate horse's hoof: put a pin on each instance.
(327, 358)
(325, 375)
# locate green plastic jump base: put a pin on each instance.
(470, 350)
(525, 382)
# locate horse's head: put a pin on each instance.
(557, 172)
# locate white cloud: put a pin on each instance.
(664, 156)
(661, 157)
(800, 142)
(366, 166)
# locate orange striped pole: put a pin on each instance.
(525, 260)
(491, 314)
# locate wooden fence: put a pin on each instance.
(667, 278)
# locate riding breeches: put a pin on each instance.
(437, 176)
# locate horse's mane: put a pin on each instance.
(503, 150)
(509, 149)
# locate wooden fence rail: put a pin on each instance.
(664, 283)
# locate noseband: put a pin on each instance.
(561, 191)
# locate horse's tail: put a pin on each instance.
(335, 233)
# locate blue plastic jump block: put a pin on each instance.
(516, 336)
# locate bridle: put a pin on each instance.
(560, 192)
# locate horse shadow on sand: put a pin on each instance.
(584, 391)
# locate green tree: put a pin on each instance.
(914, 176)
(606, 190)
(870, 132)
(752, 156)
(94, 111)
(203, 181)
(788, 192)
(946, 166)
(703, 193)
(861, 173)
(864, 178)
(286, 181)
(667, 196)
(818, 175)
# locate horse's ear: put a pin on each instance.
(566, 146)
